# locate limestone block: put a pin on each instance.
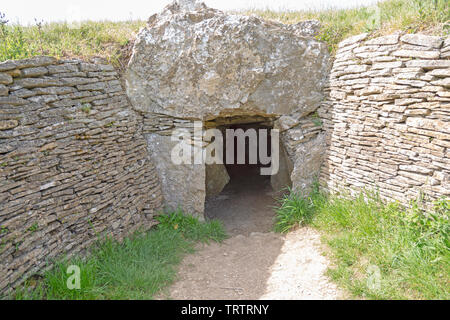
(194, 61)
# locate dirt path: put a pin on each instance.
(253, 263)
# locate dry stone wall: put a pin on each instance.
(73, 163)
(388, 116)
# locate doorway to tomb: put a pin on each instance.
(246, 203)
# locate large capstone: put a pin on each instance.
(192, 62)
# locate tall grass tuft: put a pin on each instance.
(424, 16)
(295, 209)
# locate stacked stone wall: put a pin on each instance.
(73, 163)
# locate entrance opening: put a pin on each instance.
(245, 204)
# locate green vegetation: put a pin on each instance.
(136, 268)
(34, 227)
(424, 16)
(106, 39)
(294, 210)
(86, 108)
(113, 40)
(409, 247)
(191, 228)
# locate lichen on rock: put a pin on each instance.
(192, 63)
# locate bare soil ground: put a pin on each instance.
(253, 263)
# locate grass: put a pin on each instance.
(136, 268)
(113, 40)
(106, 39)
(421, 16)
(380, 250)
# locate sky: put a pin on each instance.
(26, 11)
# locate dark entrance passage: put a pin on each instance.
(246, 203)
